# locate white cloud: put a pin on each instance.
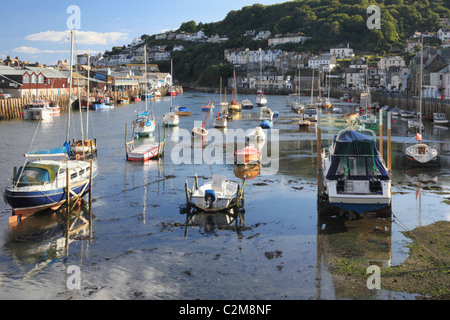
(81, 37)
(31, 50)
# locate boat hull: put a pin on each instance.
(144, 153)
(26, 203)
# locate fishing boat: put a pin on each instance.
(182, 111)
(303, 123)
(355, 177)
(50, 177)
(102, 104)
(145, 122)
(216, 195)
(266, 114)
(247, 155)
(147, 96)
(415, 150)
(246, 104)
(56, 109)
(171, 119)
(37, 110)
(439, 118)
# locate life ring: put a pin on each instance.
(172, 117)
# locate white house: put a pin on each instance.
(443, 34)
(342, 52)
(288, 38)
(325, 61)
(391, 61)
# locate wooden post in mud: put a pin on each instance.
(381, 133)
(67, 209)
(319, 151)
(389, 151)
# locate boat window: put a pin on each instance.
(81, 172)
(62, 171)
(32, 176)
(73, 175)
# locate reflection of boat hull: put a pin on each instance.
(247, 155)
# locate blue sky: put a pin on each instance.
(36, 30)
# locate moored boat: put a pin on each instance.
(439, 118)
(216, 195)
(37, 110)
(182, 111)
(355, 177)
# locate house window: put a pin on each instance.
(33, 79)
(41, 78)
(26, 78)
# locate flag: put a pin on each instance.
(418, 137)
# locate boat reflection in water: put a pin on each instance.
(231, 219)
(344, 237)
(45, 236)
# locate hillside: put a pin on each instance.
(327, 22)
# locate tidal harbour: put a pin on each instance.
(142, 244)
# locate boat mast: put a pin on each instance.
(146, 80)
(87, 106)
(171, 83)
(70, 84)
(420, 86)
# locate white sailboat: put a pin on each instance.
(298, 106)
(171, 119)
(220, 120)
(415, 150)
(145, 122)
(261, 99)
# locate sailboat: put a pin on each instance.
(234, 104)
(221, 121)
(415, 150)
(298, 106)
(261, 99)
(201, 131)
(171, 119)
(50, 177)
(145, 123)
(326, 103)
(85, 147)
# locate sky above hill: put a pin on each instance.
(37, 30)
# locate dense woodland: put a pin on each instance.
(327, 22)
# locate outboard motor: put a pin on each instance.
(210, 198)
